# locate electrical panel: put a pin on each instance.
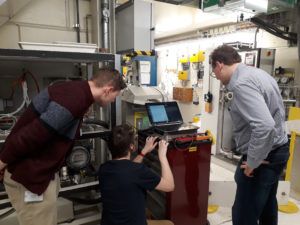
(144, 72)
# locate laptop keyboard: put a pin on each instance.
(169, 127)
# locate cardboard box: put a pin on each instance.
(183, 94)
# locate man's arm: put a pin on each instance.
(166, 183)
(37, 133)
(253, 108)
(30, 137)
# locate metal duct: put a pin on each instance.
(298, 28)
(77, 25)
(105, 23)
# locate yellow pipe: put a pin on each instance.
(290, 207)
(290, 161)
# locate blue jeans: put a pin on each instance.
(255, 200)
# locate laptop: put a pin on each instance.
(166, 119)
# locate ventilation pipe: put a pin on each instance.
(105, 24)
(298, 29)
(77, 25)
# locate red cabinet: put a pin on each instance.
(187, 204)
(190, 164)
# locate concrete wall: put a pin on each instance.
(45, 21)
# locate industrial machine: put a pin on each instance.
(189, 158)
(139, 70)
(289, 89)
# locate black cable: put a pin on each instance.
(255, 37)
(34, 79)
(183, 146)
(280, 35)
(273, 29)
(262, 22)
(97, 122)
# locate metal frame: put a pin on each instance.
(64, 57)
(37, 55)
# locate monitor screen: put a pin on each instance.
(158, 113)
(163, 112)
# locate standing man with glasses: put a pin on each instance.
(258, 117)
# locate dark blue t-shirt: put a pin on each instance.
(123, 186)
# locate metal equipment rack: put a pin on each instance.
(13, 59)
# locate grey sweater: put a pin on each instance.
(257, 113)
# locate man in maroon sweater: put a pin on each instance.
(37, 146)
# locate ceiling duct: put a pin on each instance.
(191, 3)
(270, 6)
(226, 7)
(249, 8)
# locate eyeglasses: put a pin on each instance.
(212, 74)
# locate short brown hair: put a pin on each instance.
(121, 138)
(225, 54)
(108, 76)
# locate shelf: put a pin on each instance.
(79, 186)
(102, 133)
(54, 56)
(98, 132)
(289, 100)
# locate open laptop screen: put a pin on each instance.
(163, 113)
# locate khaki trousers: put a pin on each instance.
(33, 213)
(159, 222)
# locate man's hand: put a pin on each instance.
(247, 170)
(150, 145)
(162, 149)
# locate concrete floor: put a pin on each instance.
(221, 170)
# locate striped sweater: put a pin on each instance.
(42, 137)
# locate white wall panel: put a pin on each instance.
(285, 56)
(9, 36)
(45, 21)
